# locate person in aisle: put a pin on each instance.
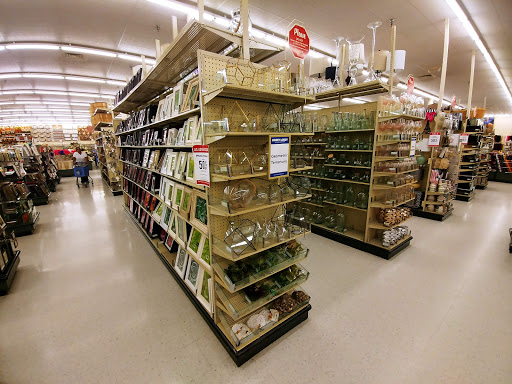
(95, 154)
(81, 159)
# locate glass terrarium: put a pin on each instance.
(239, 236)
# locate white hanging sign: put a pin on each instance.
(279, 151)
(434, 139)
(464, 138)
(412, 153)
(202, 164)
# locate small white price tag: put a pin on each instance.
(464, 138)
(202, 164)
(412, 153)
(434, 139)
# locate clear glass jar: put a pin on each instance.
(340, 222)
(362, 200)
(349, 196)
(318, 217)
(330, 219)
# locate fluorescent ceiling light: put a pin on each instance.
(87, 50)
(461, 15)
(85, 79)
(355, 101)
(276, 40)
(51, 93)
(10, 76)
(176, 6)
(312, 107)
(32, 46)
(41, 76)
(26, 102)
(80, 104)
(257, 33)
(116, 82)
(315, 54)
(17, 92)
(138, 59)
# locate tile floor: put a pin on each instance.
(92, 303)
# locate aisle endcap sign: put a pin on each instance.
(298, 40)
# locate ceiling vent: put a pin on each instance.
(74, 57)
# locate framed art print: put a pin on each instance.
(177, 96)
(173, 227)
(165, 163)
(164, 185)
(169, 193)
(158, 212)
(169, 241)
(182, 231)
(159, 110)
(205, 290)
(205, 258)
(169, 106)
(180, 165)
(178, 196)
(186, 129)
(180, 265)
(191, 95)
(198, 133)
(180, 139)
(195, 242)
(189, 172)
(192, 126)
(171, 165)
(186, 202)
(166, 219)
(192, 274)
(198, 211)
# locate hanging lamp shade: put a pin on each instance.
(318, 65)
(381, 58)
(399, 60)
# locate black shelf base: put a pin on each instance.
(481, 187)
(41, 200)
(23, 229)
(361, 245)
(242, 356)
(467, 198)
(7, 277)
(432, 216)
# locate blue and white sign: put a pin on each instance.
(279, 156)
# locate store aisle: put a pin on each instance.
(92, 303)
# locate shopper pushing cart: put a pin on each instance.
(81, 167)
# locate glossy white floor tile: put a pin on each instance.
(92, 303)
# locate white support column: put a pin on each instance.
(174, 27)
(471, 78)
(200, 8)
(244, 17)
(392, 57)
(144, 68)
(445, 64)
(485, 101)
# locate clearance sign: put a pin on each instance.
(298, 40)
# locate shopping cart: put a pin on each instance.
(82, 172)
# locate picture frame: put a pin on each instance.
(205, 290)
(191, 95)
(180, 165)
(169, 241)
(190, 174)
(181, 226)
(173, 227)
(172, 135)
(171, 165)
(164, 185)
(165, 163)
(205, 258)
(198, 211)
(192, 274)
(169, 106)
(166, 218)
(170, 193)
(177, 96)
(195, 242)
(190, 133)
(186, 202)
(178, 196)
(198, 132)
(159, 110)
(180, 138)
(186, 127)
(158, 212)
(181, 262)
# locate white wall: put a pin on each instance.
(503, 125)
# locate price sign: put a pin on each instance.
(464, 138)
(202, 164)
(434, 139)
(279, 150)
(298, 40)
(412, 153)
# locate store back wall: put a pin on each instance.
(503, 125)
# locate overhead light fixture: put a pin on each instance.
(257, 33)
(116, 82)
(41, 76)
(176, 6)
(468, 25)
(137, 59)
(27, 102)
(58, 93)
(88, 51)
(86, 79)
(354, 101)
(15, 46)
(275, 40)
(10, 76)
(311, 107)
(80, 104)
(315, 54)
(17, 92)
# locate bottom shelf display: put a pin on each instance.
(248, 329)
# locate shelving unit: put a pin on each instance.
(164, 217)
(469, 162)
(9, 258)
(342, 158)
(484, 167)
